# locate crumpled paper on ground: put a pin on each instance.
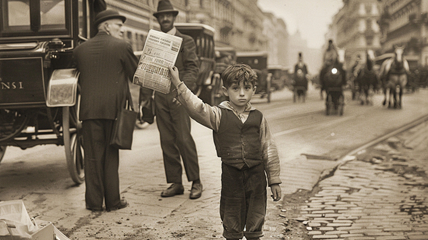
(14, 220)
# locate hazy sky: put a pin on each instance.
(311, 17)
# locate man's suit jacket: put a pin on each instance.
(187, 61)
(106, 64)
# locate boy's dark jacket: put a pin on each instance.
(238, 143)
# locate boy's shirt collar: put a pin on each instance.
(243, 116)
(227, 105)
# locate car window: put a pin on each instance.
(19, 13)
(52, 12)
(17, 17)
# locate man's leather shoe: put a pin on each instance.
(196, 191)
(174, 189)
(123, 204)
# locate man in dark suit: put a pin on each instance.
(106, 63)
(172, 119)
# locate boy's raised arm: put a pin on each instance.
(198, 110)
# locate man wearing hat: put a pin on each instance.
(300, 77)
(106, 63)
(172, 119)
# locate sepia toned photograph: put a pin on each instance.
(213, 119)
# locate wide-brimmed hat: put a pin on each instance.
(107, 15)
(164, 6)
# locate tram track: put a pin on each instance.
(379, 139)
(350, 155)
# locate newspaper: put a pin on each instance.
(159, 52)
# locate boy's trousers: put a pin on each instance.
(243, 201)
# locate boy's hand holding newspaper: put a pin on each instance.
(175, 79)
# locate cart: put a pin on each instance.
(279, 76)
(39, 99)
(335, 101)
(258, 62)
(300, 86)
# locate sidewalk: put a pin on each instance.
(382, 194)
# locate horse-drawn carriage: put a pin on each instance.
(39, 99)
(300, 82)
(258, 61)
(332, 79)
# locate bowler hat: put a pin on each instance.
(165, 6)
(107, 15)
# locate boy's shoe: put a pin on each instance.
(174, 189)
(95, 209)
(123, 204)
(196, 191)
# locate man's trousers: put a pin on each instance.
(101, 164)
(173, 123)
(243, 201)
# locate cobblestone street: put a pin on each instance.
(382, 194)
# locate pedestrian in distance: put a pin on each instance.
(300, 79)
(106, 63)
(301, 65)
(244, 143)
(172, 119)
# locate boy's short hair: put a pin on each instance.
(238, 73)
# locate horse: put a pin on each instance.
(393, 73)
(367, 79)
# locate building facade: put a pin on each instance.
(277, 43)
(405, 23)
(240, 24)
(355, 29)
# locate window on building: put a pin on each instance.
(368, 8)
(368, 24)
(369, 40)
(142, 41)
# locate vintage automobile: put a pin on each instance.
(258, 61)
(209, 87)
(279, 76)
(39, 93)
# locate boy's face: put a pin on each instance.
(240, 93)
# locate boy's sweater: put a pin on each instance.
(210, 117)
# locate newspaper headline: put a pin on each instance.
(159, 52)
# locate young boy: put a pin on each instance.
(248, 153)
